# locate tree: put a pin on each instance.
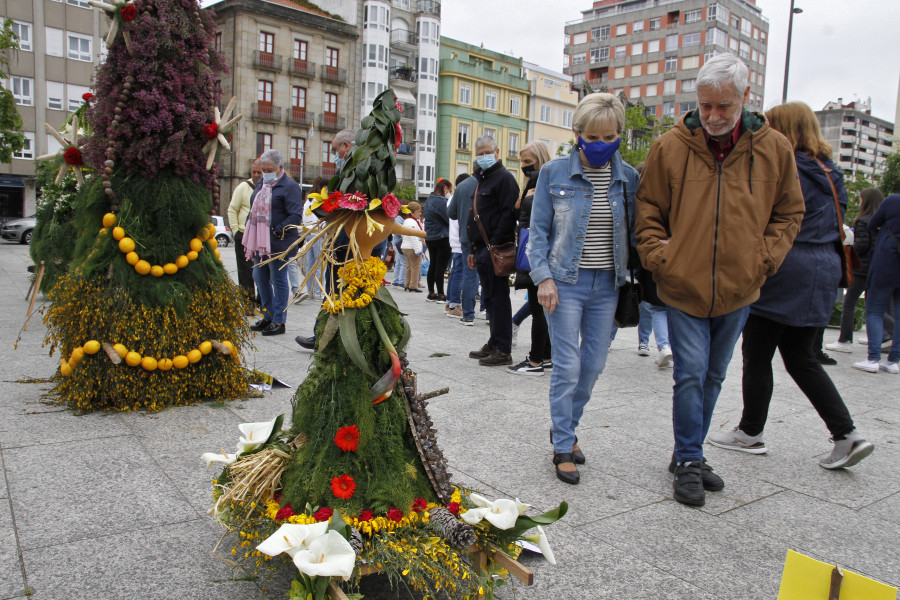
(890, 179)
(634, 147)
(12, 139)
(854, 185)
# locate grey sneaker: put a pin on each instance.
(848, 451)
(643, 349)
(839, 346)
(738, 440)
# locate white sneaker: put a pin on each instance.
(664, 358)
(840, 347)
(643, 349)
(738, 440)
(482, 314)
(862, 340)
(869, 366)
(848, 451)
(890, 367)
(515, 334)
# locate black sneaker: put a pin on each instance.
(485, 351)
(496, 359)
(824, 359)
(547, 364)
(526, 368)
(431, 297)
(688, 485)
(711, 481)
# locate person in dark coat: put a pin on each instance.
(883, 285)
(437, 236)
(798, 299)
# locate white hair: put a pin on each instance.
(724, 69)
(273, 156)
(484, 140)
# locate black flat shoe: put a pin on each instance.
(577, 455)
(570, 477)
(309, 343)
(260, 325)
(274, 329)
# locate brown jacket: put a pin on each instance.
(711, 233)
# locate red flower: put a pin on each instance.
(347, 438)
(398, 137)
(419, 504)
(454, 508)
(211, 131)
(87, 96)
(323, 514)
(285, 512)
(395, 515)
(397, 104)
(343, 487)
(355, 201)
(332, 201)
(391, 205)
(366, 515)
(72, 156)
(128, 12)
(277, 497)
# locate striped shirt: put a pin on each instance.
(597, 252)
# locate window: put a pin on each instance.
(332, 56)
(735, 21)
(580, 38)
(688, 85)
(634, 92)
(488, 131)
(266, 42)
(716, 36)
(669, 109)
(746, 27)
(578, 59)
(752, 76)
(690, 62)
(79, 47)
(760, 79)
(55, 93)
(218, 45)
(298, 148)
(462, 136)
(687, 107)
(81, 3)
(514, 105)
(264, 91)
(545, 113)
(23, 90)
(717, 12)
(733, 45)
(671, 64)
(54, 41)
(490, 100)
(635, 71)
(745, 50)
(465, 94)
(709, 54)
(621, 30)
(331, 103)
(23, 30)
(600, 54)
(376, 17)
(53, 145)
(298, 97)
(672, 42)
(654, 24)
(652, 46)
(668, 87)
(691, 39)
(637, 27)
(74, 95)
(567, 118)
(762, 36)
(619, 73)
(651, 90)
(652, 68)
(762, 58)
(693, 16)
(754, 55)
(637, 48)
(755, 33)
(27, 151)
(620, 51)
(263, 142)
(513, 144)
(326, 152)
(600, 34)
(300, 49)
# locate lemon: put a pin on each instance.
(203, 235)
(149, 363)
(180, 361)
(206, 347)
(91, 347)
(229, 345)
(65, 370)
(182, 261)
(164, 364)
(170, 268)
(109, 219)
(77, 355)
(132, 359)
(132, 258)
(192, 255)
(118, 233)
(120, 350)
(142, 267)
(103, 231)
(194, 355)
(218, 255)
(72, 362)
(196, 245)
(213, 243)
(156, 271)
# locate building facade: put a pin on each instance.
(60, 46)
(481, 92)
(651, 50)
(551, 106)
(860, 142)
(294, 73)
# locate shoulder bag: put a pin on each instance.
(849, 258)
(503, 256)
(628, 313)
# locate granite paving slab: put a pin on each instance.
(11, 581)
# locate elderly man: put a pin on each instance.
(718, 207)
(276, 206)
(238, 210)
(494, 200)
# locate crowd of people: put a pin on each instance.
(733, 227)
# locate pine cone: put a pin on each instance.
(356, 541)
(457, 533)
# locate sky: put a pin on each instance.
(839, 48)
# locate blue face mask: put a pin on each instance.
(486, 161)
(598, 153)
(339, 162)
(270, 177)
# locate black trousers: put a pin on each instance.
(439, 258)
(244, 266)
(540, 335)
(761, 338)
(495, 292)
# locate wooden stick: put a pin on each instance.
(521, 573)
(336, 592)
(35, 288)
(433, 394)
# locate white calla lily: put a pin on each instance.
(541, 540)
(502, 513)
(329, 555)
(521, 507)
(254, 435)
(222, 457)
(291, 538)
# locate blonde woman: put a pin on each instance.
(413, 248)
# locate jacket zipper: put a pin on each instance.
(712, 306)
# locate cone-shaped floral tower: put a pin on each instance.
(147, 316)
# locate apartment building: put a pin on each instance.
(551, 106)
(60, 46)
(651, 50)
(859, 141)
(294, 72)
(481, 92)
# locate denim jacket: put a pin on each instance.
(560, 214)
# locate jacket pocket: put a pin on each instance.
(562, 197)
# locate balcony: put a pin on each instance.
(334, 74)
(328, 170)
(407, 111)
(454, 65)
(404, 152)
(402, 37)
(405, 76)
(331, 122)
(299, 117)
(302, 68)
(267, 61)
(266, 112)
(431, 7)
(297, 171)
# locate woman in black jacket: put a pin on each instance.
(437, 236)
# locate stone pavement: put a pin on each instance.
(110, 506)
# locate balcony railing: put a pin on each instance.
(297, 171)
(302, 68)
(402, 36)
(266, 112)
(328, 170)
(266, 60)
(430, 7)
(407, 111)
(332, 122)
(404, 150)
(405, 74)
(334, 74)
(300, 117)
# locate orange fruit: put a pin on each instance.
(103, 231)
(182, 261)
(156, 271)
(170, 268)
(213, 243)
(194, 355)
(203, 235)
(132, 359)
(120, 350)
(91, 347)
(65, 370)
(118, 233)
(142, 267)
(206, 347)
(109, 219)
(77, 355)
(164, 364)
(196, 245)
(132, 258)
(149, 363)
(192, 255)
(180, 361)
(126, 245)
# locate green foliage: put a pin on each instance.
(639, 134)
(859, 314)
(54, 236)
(12, 139)
(890, 179)
(406, 193)
(855, 185)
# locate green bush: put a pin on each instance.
(859, 314)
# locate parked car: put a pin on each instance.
(18, 230)
(223, 232)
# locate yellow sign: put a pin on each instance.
(805, 578)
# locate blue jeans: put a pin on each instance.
(454, 283)
(586, 310)
(294, 277)
(877, 300)
(469, 285)
(399, 265)
(309, 260)
(653, 318)
(523, 313)
(272, 284)
(702, 348)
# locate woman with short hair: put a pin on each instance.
(437, 236)
(412, 247)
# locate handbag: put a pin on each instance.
(503, 256)
(522, 263)
(849, 258)
(628, 313)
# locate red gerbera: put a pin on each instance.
(211, 131)
(366, 515)
(323, 514)
(332, 201)
(285, 512)
(87, 96)
(355, 201)
(347, 438)
(419, 504)
(72, 156)
(395, 515)
(128, 12)
(343, 487)
(454, 508)
(391, 205)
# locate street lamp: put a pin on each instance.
(787, 57)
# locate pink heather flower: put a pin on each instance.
(391, 205)
(355, 201)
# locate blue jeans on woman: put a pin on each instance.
(272, 285)
(399, 265)
(653, 318)
(877, 300)
(585, 311)
(454, 283)
(703, 348)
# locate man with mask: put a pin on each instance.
(495, 198)
(341, 146)
(718, 207)
(238, 211)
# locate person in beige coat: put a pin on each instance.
(238, 210)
